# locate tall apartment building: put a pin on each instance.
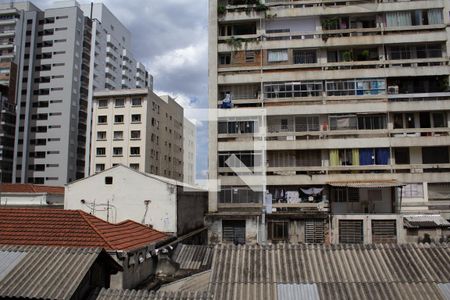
(189, 151)
(138, 129)
(63, 54)
(351, 102)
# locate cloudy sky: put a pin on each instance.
(170, 38)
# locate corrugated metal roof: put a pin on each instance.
(253, 272)
(47, 272)
(297, 291)
(445, 290)
(426, 221)
(193, 257)
(8, 260)
(366, 184)
(111, 294)
(197, 282)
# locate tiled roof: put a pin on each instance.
(259, 272)
(46, 272)
(111, 294)
(30, 188)
(72, 228)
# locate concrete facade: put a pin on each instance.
(189, 151)
(62, 54)
(137, 128)
(121, 193)
(340, 92)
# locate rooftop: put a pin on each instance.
(72, 228)
(412, 271)
(35, 272)
(28, 188)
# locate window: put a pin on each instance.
(135, 134)
(118, 119)
(413, 190)
(108, 180)
(134, 166)
(351, 232)
(224, 58)
(99, 167)
(101, 135)
(345, 195)
(358, 87)
(293, 89)
(135, 118)
(101, 151)
(102, 119)
(239, 195)
(305, 56)
(117, 151)
(118, 135)
(277, 55)
(278, 231)
(135, 151)
(402, 156)
(250, 56)
(384, 231)
(233, 231)
(343, 122)
(102, 103)
(119, 103)
(307, 124)
(314, 232)
(371, 122)
(136, 102)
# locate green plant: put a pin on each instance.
(365, 54)
(347, 55)
(234, 43)
(329, 24)
(261, 7)
(221, 10)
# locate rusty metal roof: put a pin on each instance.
(332, 272)
(46, 272)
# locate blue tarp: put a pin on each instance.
(382, 156)
(366, 157)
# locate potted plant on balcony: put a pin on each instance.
(347, 55)
(221, 10)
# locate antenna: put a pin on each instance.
(146, 203)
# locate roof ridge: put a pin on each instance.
(83, 215)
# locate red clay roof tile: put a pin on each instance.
(31, 188)
(72, 228)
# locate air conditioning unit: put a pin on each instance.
(393, 89)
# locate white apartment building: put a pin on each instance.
(351, 102)
(189, 151)
(63, 54)
(138, 129)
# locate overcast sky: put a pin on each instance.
(171, 38)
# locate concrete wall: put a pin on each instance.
(126, 196)
(367, 226)
(31, 200)
(191, 208)
(137, 268)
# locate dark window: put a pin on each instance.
(278, 231)
(233, 231)
(108, 180)
(384, 231)
(351, 232)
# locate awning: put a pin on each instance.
(425, 221)
(366, 184)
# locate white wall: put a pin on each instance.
(127, 195)
(31, 200)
